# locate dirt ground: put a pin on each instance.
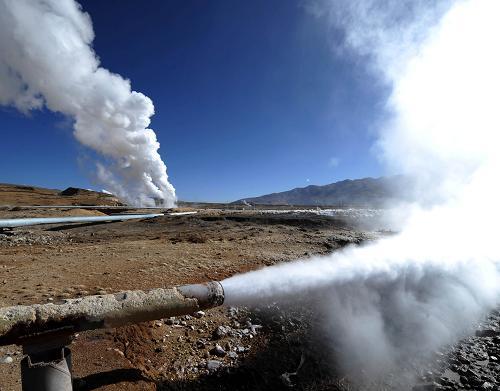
(50, 263)
(220, 349)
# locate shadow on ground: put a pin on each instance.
(97, 380)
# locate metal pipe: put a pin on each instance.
(181, 213)
(82, 207)
(10, 223)
(47, 371)
(36, 324)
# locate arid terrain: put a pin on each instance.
(220, 349)
(18, 195)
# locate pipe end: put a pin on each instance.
(210, 294)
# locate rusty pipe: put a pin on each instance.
(34, 324)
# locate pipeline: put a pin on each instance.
(96, 207)
(32, 324)
(11, 223)
(45, 330)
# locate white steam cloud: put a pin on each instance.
(425, 286)
(46, 59)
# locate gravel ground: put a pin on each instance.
(471, 364)
(267, 348)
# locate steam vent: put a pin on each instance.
(249, 195)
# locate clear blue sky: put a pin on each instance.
(250, 99)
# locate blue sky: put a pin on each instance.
(250, 98)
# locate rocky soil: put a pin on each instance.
(267, 348)
(471, 364)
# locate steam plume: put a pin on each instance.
(425, 286)
(47, 60)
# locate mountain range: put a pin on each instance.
(365, 192)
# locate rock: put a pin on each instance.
(463, 360)
(213, 365)
(233, 312)
(451, 376)
(221, 332)
(444, 381)
(218, 351)
(254, 328)
(199, 314)
(200, 344)
(471, 374)
(232, 355)
(171, 321)
(6, 360)
(487, 386)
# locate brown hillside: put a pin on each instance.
(20, 195)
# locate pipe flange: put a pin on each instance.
(210, 294)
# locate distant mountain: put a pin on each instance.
(366, 192)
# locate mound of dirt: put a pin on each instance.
(81, 212)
